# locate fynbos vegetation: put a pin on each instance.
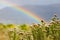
(50, 31)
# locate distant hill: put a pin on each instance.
(44, 11)
(10, 15)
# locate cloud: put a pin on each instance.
(4, 3)
(34, 2)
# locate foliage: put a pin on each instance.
(50, 31)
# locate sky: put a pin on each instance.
(4, 3)
(28, 2)
(34, 2)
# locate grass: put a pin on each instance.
(51, 31)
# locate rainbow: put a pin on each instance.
(21, 9)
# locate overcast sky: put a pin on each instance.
(28, 2)
(34, 2)
(3, 3)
